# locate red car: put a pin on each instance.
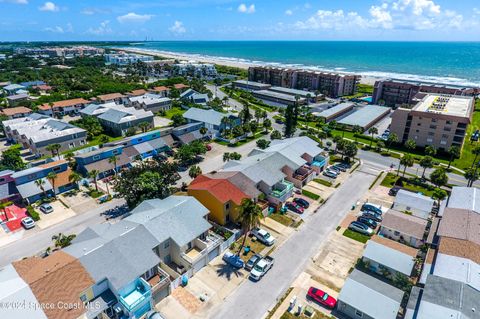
(209, 147)
(321, 297)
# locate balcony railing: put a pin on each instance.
(281, 189)
(202, 247)
(135, 297)
(160, 280)
(302, 173)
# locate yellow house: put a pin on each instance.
(219, 195)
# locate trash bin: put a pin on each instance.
(184, 280)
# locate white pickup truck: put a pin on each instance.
(263, 236)
(261, 268)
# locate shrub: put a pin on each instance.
(310, 195)
(33, 213)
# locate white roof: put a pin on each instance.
(389, 257)
(459, 269)
(414, 200)
(446, 104)
(465, 198)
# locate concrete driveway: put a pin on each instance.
(59, 214)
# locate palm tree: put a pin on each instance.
(40, 184)
(94, 175)
(407, 161)
(194, 171)
(357, 129)
(113, 160)
(454, 152)
(471, 176)
(410, 144)
(392, 138)
(74, 177)
(430, 150)
(476, 152)
(53, 148)
(267, 124)
(203, 130)
(439, 194)
(51, 104)
(62, 241)
(52, 176)
(249, 217)
(3, 207)
(426, 162)
(372, 131)
(225, 121)
(144, 126)
(336, 140)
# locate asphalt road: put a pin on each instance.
(33, 244)
(253, 299)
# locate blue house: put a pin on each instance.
(28, 189)
(214, 121)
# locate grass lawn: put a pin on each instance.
(255, 247)
(391, 178)
(466, 158)
(323, 182)
(173, 111)
(310, 195)
(282, 219)
(317, 315)
(246, 140)
(356, 236)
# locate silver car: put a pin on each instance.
(28, 222)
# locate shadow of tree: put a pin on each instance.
(225, 270)
(116, 212)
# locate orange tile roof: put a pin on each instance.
(180, 86)
(460, 248)
(63, 178)
(110, 96)
(63, 103)
(222, 189)
(395, 245)
(138, 92)
(53, 164)
(16, 110)
(42, 87)
(160, 89)
(56, 278)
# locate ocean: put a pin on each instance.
(455, 63)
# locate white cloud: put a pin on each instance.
(336, 20)
(49, 6)
(102, 29)
(178, 28)
(15, 1)
(381, 16)
(288, 12)
(134, 17)
(243, 8)
(56, 29)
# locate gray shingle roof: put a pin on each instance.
(389, 257)
(205, 116)
(30, 188)
(406, 224)
(365, 116)
(371, 296)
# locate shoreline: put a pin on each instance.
(365, 79)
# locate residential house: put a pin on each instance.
(8, 190)
(42, 89)
(150, 102)
(417, 204)
(16, 112)
(161, 90)
(124, 59)
(366, 297)
(112, 97)
(220, 195)
(30, 84)
(194, 97)
(36, 132)
(465, 198)
(137, 92)
(16, 99)
(61, 108)
(405, 228)
(31, 192)
(57, 280)
(188, 133)
(16, 291)
(141, 146)
(457, 268)
(13, 89)
(212, 120)
(389, 258)
(180, 86)
(196, 70)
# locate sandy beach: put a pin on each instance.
(370, 80)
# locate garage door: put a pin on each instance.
(212, 254)
(200, 264)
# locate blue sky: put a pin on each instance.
(418, 20)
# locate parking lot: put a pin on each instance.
(58, 215)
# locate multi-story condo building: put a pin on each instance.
(123, 58)
(65, 107)
(400, 93)
(437, 120)
(36, 132)
(150, 102)
(60, 51)
(197, 70)
(330, 84)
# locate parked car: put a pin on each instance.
(360, 228)
(153, 315)
(367, 221)
(372, 208)
(321, 297)
(340, 167)
(394, 191)
(261, 268)
(28, 222)
(376, 217)
(302, 202)
(46, 208)
(329, 174)
(343, 164)
(334, 169)
(209, 147)
(252, 261)
(294, 207)
(233, 260)
(263, 236)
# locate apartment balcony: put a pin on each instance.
(159, 280)
(201, 247)
(137, 296)
(302, 173)
(281, 189)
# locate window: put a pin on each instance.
(431, 133)
(82, 142)
(429, 140)
(433, 127)
(419, 124)
(96, 157)
(227, 206)
(358, 313)
(396, 233)
(449, 122)
(115, 152)
(443, 142)
(434, 120)
(57, 169)
(83, 298)
(71, 145)
(166, 244)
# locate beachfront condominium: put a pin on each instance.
(437, 120)
(397, 93)
(330, 84)
(123, 58)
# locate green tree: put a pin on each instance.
(104, 138)
(431, 150)
(53, 148)
(372, 131)
(253, 127)
(11, 159)
(226, 156)
(407, 161)
(62, 241)
(74, 177)
(426, 162)
(350, 149)
(194, 171)
(267, 124)
(410, 144)
(203, 130)
(149, 180)
(91, 124)
(337, 140)
(454, 152)
(93, 174)
(178, 120)
(40, 183)
(380, 145)
(258, 115)
(113, 160)
(357, 129)
(392, 138)
(249, 216)
(237, 131)
(144, 126)
(262, 144)
(276, 135)
(439, 195)
(289, 128)
(439, 177)
(471, 175)
(476, 152)
(52, 177)
(235, 156)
